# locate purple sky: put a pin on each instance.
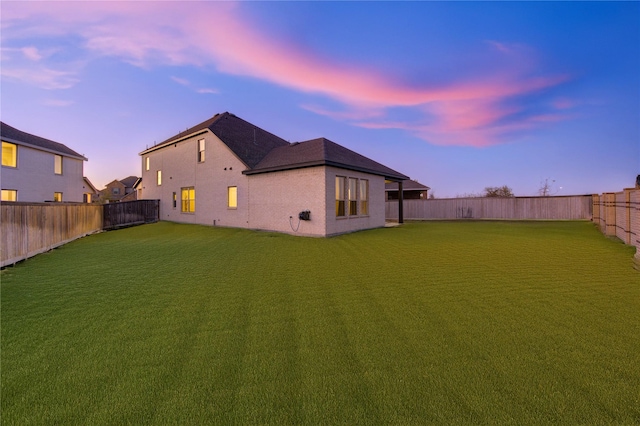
(458, 95)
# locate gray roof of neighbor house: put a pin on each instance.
(407, 185)
(264, 152)
(321, 152)
(130, 181)
(250, 143)
(13, 135)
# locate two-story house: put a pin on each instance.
(37, 169)
(119, 190)
(226, 171)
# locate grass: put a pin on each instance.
(439, 322)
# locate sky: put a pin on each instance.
(457, 95)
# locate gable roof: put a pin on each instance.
(248, 142)
(128, 182)
(321, 152)
(11, 134)
(407, 185)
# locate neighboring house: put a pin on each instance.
(228, 172)
(411, 190)
(119, 190)
(91, 192)
(37, 169)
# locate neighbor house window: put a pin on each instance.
(340, 199)
(364, 197)
(201, 151)
(9, 154)
(57, 197)
(159, 177)
(116, 191)
(353, 196)
(188, 200)
(57, 164)
(232, 197)
(175, 200)
(147, 162)
(9, 195)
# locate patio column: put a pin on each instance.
(400, 203)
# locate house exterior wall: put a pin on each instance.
(375, 218)
(210, 179)
(277, 198)
(35, 180)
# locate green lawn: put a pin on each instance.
(439, 322)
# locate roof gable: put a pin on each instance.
(248, 142)
(319, 152)
(408, 185)
(11, 134)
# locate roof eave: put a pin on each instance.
(396, 177)
(174, 141)
(39, 148)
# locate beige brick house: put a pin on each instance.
(227, 172)
(36, 169)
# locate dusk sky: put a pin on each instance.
(457, 95)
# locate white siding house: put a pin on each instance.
(36, 169)
(228, 172)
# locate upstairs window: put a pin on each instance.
(340, 199)
(201, 147)
(57, 164)
(147, 162)
(188, 200)
(159, 177)
(9, 154)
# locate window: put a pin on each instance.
(147, 162)
(340, 200)
(232, 197)
(86, 197)
(57, 164)
(9, 154)
(201, 151)
(159, 177)
(9, 195)
(188, 200)
(175, 200)
(364, 197)
(115, 191)
(57, 197)
(353, 196)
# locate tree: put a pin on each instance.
(546, 188)
(498, 191)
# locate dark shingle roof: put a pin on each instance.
(129, 181)
(11, 134)
(250, 143)
(321, 152)
(407, 185)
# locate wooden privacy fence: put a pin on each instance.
(27, 229)
(577, 207)
(617, 214)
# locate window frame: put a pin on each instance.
(341, 202)
(188, 204)
(14, 155)
(363, 200)
(232, 194)
(352, 196)
(58, 162)
(159, 177)
(147, 163)
(57, 197)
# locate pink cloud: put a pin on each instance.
(463, 112)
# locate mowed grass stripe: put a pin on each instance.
(447, 322)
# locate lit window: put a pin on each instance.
(340, 200)
(9, 154)
(364, 197)
(147, 162)
(9, 195)
(57, 164)
(86, 197)
(353, 197)
(159, 177)
(201, 147)
(188, 200)
(232, 197)
(57, 197)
